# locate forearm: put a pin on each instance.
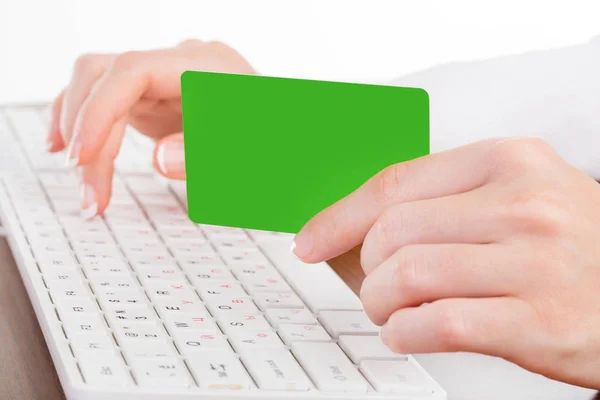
(553, 94)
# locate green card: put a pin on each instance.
(270, 153)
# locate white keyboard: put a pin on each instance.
(141, 303)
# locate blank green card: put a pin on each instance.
(270, 153)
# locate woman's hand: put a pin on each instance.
(491, 248)
(107, 92)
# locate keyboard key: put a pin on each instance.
(107, 269)
(226, 304)
(93, 258)
(57, 260)
(100, 251)
(76, 306)
(290, 316)
(160, 373)
(105, 372)
(102, 284)
(129, 315)
(175, 308)
(190, 343)
(328, 367)
(131, 221)
(93, 345)
(164, 198)
(122, 298)
(171, 290)
(137, 350)
(316, 284)
(210, 289)
(219, 371)
(270, 285)
(151, 274)
(402, 377)
(181, 233)
(360, 348)
(348, 323)
(243, 256)
(277, 300)
(202, 324)
(223, 232)
(276, 370)
(244, 341)
(245, 244)
(303, 333)
(75, 325)
(139, 333)
(199, 275)
(207, 260)
(255, 271)
(270, 237)
(70, 290)
(55, 278)
(134, 249)
(190, 248)
(145, 260)
(240, 322)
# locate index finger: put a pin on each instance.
(345, 224)
(130, 77)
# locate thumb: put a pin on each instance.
(169, 157)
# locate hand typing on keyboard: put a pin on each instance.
(142, 89)
(499, 239)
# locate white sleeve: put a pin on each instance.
(552, 94)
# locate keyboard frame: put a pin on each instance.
(65, 363)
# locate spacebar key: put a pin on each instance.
(317, 284)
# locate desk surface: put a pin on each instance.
(27, 372)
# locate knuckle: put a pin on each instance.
(217, 46)
(368, 297)
(86, 62)
(390, 224)
(520, 153)
(333, 229)
(451, 329)
(405, 274)
(390, 181)
(191, 43)
(127, 60)
(396, 341)
(543, 212)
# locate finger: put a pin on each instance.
(499, 326)
(87, 70)
(418, 274)
(97, 176)
(191, 43)
(54, 139)
(169, 157)
(345, 224)
(462, 218)
(131, 77)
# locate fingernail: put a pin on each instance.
(170, 157)
(293, 248)
(73, 151)
(49, 144)
(89, 205)
(302, 246)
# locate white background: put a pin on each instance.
(327, 39)
(330, 39)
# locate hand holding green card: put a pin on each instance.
(269, 153)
